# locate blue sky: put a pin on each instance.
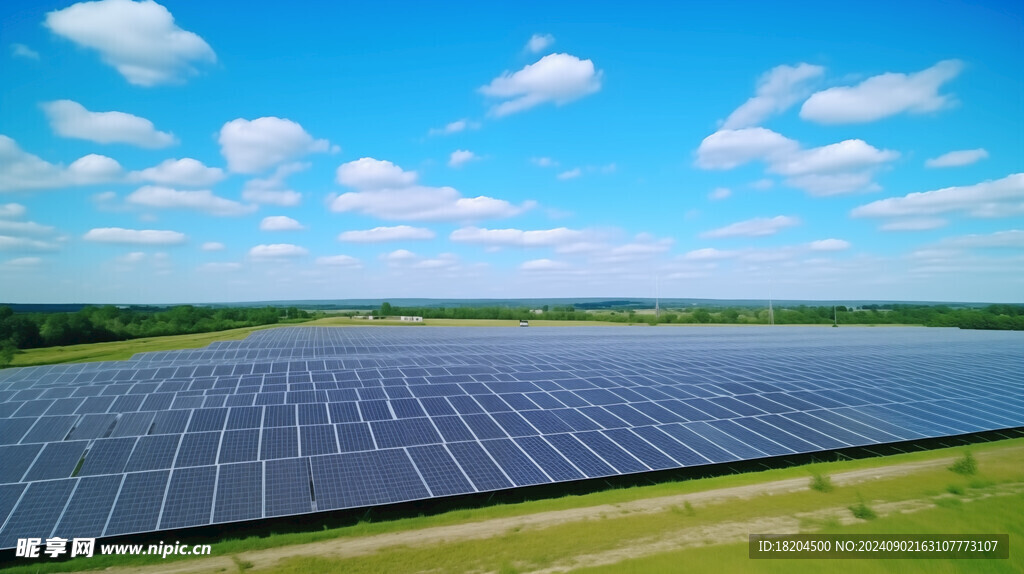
(230, 151)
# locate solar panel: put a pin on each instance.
(297, 420)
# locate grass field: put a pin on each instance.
(961, 507)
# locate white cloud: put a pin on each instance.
(442, 261)
(139, 39)
(23, 228)
(543, 265)
(382, 234)
(399, 255)
(133, 257)
(186, 171)
(278, 251)
(957, 158)
(368, 173)
(726, 149)
(708, 254)
(832, 169)
(280, 223)
(387, 192)
(419, 203)
(23, 262)
(455, 127)
(20, 170)
(556, 78)
(517, 237)
(1000, 198)
(9, 243)
(720, 193)
(756, 227)
(914, 224)
(833, 158)
(570, 174)
(543, 161)
(539, 42)
(777, 90)
(1012, 238)
(134, 236)
(202, 200)
(23, 51)
(643, 246)
(252, 146)
(104, 197)
(274, 190)
(461, 156)
(829, 245)
(212, 246)
(883, 96)
(339, 261)
(71, 120)
(763, 183)
(12, 210)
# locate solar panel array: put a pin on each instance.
(306, 419)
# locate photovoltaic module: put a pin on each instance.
(296, 420)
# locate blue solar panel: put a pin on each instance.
(37, 511)
(403, 414)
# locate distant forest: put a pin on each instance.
(1000, 317)
(109, 323)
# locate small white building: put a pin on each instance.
(412, 319)
(524, 323)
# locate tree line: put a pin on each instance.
(110, 323)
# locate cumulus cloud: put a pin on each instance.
(368, 173)
(278, 251)
(23, 51)
(387, 191)
(708, 254)
(10, 243)
(518, 237)
(339, 261)
(8, 227)
(543, 265)
(914, 224)
(399, 255)
(280, 223)
(777, 90)
(139, 39)
(134, 236)
(12, 210)
(756, 227)
(460, 157)
(829, 245)
(957, 158)
(539, 42)
(212, 246)
(252, 146)
(727, 148)
(883, 96)
(570, 174)
(720, 193)
(455, 127)
(1012, 238)
(274, 190)
(202, 200)
(555, 78)
(442, 261)
(186, 172)
(419, 203)
(832, 169)
(71, 120)
(382, 234)
(20, 170)
(999, 198)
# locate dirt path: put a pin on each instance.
(357, 546)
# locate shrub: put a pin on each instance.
(965, 465)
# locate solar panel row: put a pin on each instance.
(299, 420)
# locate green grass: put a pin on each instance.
(994, 515)
(822, 483)
(965, 465)
(529, 549)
